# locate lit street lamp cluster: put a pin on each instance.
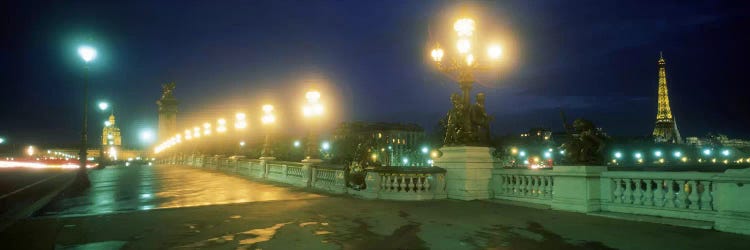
(464, 63)
(313, 108)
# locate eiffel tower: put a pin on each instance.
(665, 130)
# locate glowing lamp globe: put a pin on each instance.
(464, 27)
(437, 54)
(87, 53)
(494, 52)
(463, 46)
(312, 96)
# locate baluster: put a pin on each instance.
(638, 193)
(418, 184)
(505, 181)
(387, 182)
(517, 187)
(693, 197)
(706, 198)
(402, 183)
(383, 181)
(669, 200)
(394, 183)
(682, 197)
(628, 193)
(398, 184)
(426, 183)
(535, 179)
(411, 183)
(648, 198)
(547, 186)
(527, 185)
(659, 193)
(618, 191)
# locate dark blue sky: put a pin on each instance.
(594, 59)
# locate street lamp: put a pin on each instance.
(88, 54)
(267, 119)
(147, 136)
(312, 109)
(463, 65)
(103, 106)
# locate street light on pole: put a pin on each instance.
(88, 54)
(463, 64)
(268, 119)
(312, 109)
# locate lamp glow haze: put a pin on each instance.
(147, 136)
(103, 105)
(87, 53)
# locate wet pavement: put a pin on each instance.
(123, 189)
(342, 222)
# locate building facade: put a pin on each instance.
(111, 135)
(391, 144)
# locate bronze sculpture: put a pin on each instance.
(586, 145)
(166, 91)
(467, 125)
(480, 121)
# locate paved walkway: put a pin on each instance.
(123, 189)
(301, 220)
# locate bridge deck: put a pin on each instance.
(300, 220)
(122, 189)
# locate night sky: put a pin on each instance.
(593, 59)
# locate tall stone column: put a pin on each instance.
(167, 112)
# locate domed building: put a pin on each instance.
(111, 138)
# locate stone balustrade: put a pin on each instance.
(527, 185)
(416, 183)
(329, 179)
(719, 198)
(687, 195)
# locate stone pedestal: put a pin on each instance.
(307, 166)
(469, 171)
(577, 188)
(732, 201)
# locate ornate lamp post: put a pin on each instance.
(88, 54)
(466, 124)
(312, 109)
(240, 123)
(267, 119)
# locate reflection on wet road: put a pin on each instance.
(120, 189)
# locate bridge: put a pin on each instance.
(216, 202)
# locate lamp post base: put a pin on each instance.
(82, 180)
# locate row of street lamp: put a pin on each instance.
(659, 156)
(312, 109)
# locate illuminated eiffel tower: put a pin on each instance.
(665, 130)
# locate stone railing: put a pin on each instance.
(527, 185)
(416, 183)
(721, 199)
(288, 172)
(329, 179)
(687, 195)
(381, 183)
